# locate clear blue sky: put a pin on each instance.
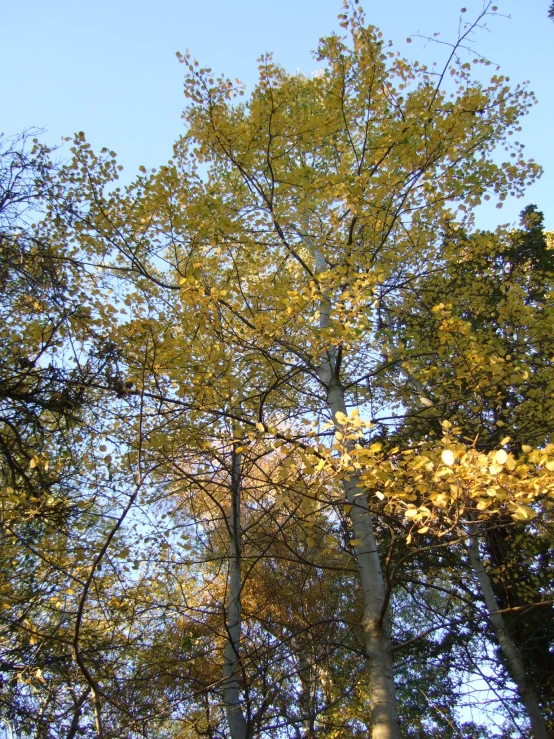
(108, 67)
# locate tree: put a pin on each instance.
(272, 385)
(504, 298)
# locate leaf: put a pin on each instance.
(355, 542)
(448, 457)
(523, 513)
(426, 401)
(501, 456)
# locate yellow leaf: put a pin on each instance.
(523, 513)
(423, 530)
(448, 457)
(501, 456)
(426, 402)
(526, 449)
(550, 465)
(341, 418)
(260, 426)
(355, 542)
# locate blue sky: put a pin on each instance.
(108, 67)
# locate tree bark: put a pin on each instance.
(385, 720)
(236, 721)
(382, 694)
(307, 693)
(509, 649)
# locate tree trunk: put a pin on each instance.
(385, 720)
(306, 702)
(231, 695)
(382, 694)
(509, 649)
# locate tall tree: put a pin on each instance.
(275, 291)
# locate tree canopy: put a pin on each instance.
(276, 418)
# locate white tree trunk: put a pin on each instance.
(509, 649)
(382, 693)
(231, 694)
(385, 720)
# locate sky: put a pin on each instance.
(108, 67)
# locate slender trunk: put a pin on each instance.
(385, 720)
(307, 693)
(509, 649)
(382, 694)
(231, 694)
